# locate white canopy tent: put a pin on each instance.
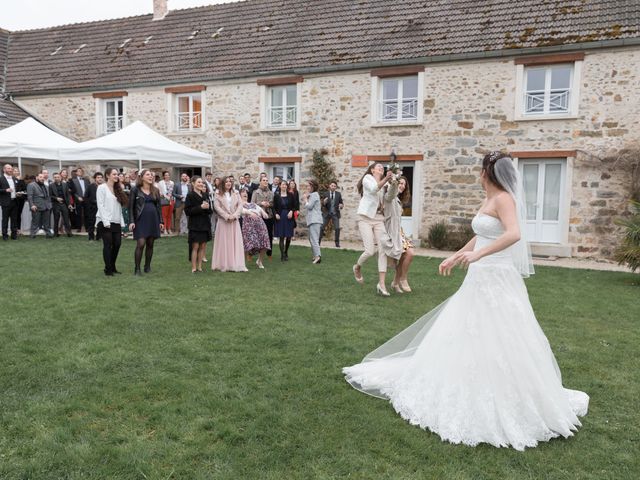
(31, 142)
(137, 145)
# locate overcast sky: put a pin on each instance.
(28, 14)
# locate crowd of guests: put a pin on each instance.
(241, 215)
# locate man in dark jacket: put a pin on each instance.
(61, 199)
(9, 202)
(40, 205)
(91, 205)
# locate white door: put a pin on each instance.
(407, 210)
(544, 186)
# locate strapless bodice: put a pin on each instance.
(487, 229)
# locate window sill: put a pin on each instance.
(185, 133)
(525, 118)
(281, 129)
(397, 124)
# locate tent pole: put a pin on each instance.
(20, 165)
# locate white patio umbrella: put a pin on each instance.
(31, 140)
(137, 144)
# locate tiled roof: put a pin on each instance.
(10, 113)
(257, 37)
(4, 40)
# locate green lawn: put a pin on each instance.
(237, 375)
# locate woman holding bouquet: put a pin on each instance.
(371, 222)
(396, 245)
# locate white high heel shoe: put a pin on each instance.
(382, 291)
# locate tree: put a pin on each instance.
(322, 170)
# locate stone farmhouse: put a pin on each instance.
(261, 84)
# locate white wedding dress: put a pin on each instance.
(477, 368)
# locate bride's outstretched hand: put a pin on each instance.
(447, 265)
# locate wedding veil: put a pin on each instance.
(510, 180)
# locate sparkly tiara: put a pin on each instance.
(497, 155)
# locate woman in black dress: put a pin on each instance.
(283, 206)
(198, 208)
(146, 218)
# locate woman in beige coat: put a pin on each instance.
(395, 244)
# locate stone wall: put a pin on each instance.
(468, 110)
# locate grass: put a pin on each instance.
(237, 375)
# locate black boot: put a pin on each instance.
(137, 272)
(147, 268)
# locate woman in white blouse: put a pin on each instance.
(371, 222)
(110, 198)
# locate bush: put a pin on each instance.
(458, 238)
(629, 252)
(437, 235)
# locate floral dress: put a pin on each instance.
(254, 230)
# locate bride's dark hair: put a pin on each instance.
(489, 166)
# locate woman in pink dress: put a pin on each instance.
(228, 248)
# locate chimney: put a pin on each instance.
(159, 9)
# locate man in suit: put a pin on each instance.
(91, 205)
(61, 199)
(332, 204)
(275, 186)
(9, 202)
(80, 185)
(40, 205)
(21, 194)
(180, 191)
(251, 186)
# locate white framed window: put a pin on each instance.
(397, 100)
(548, 91)
(188, 111)
(280, 107)
(111, 115)
(286, 170)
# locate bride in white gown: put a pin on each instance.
(478, 368)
